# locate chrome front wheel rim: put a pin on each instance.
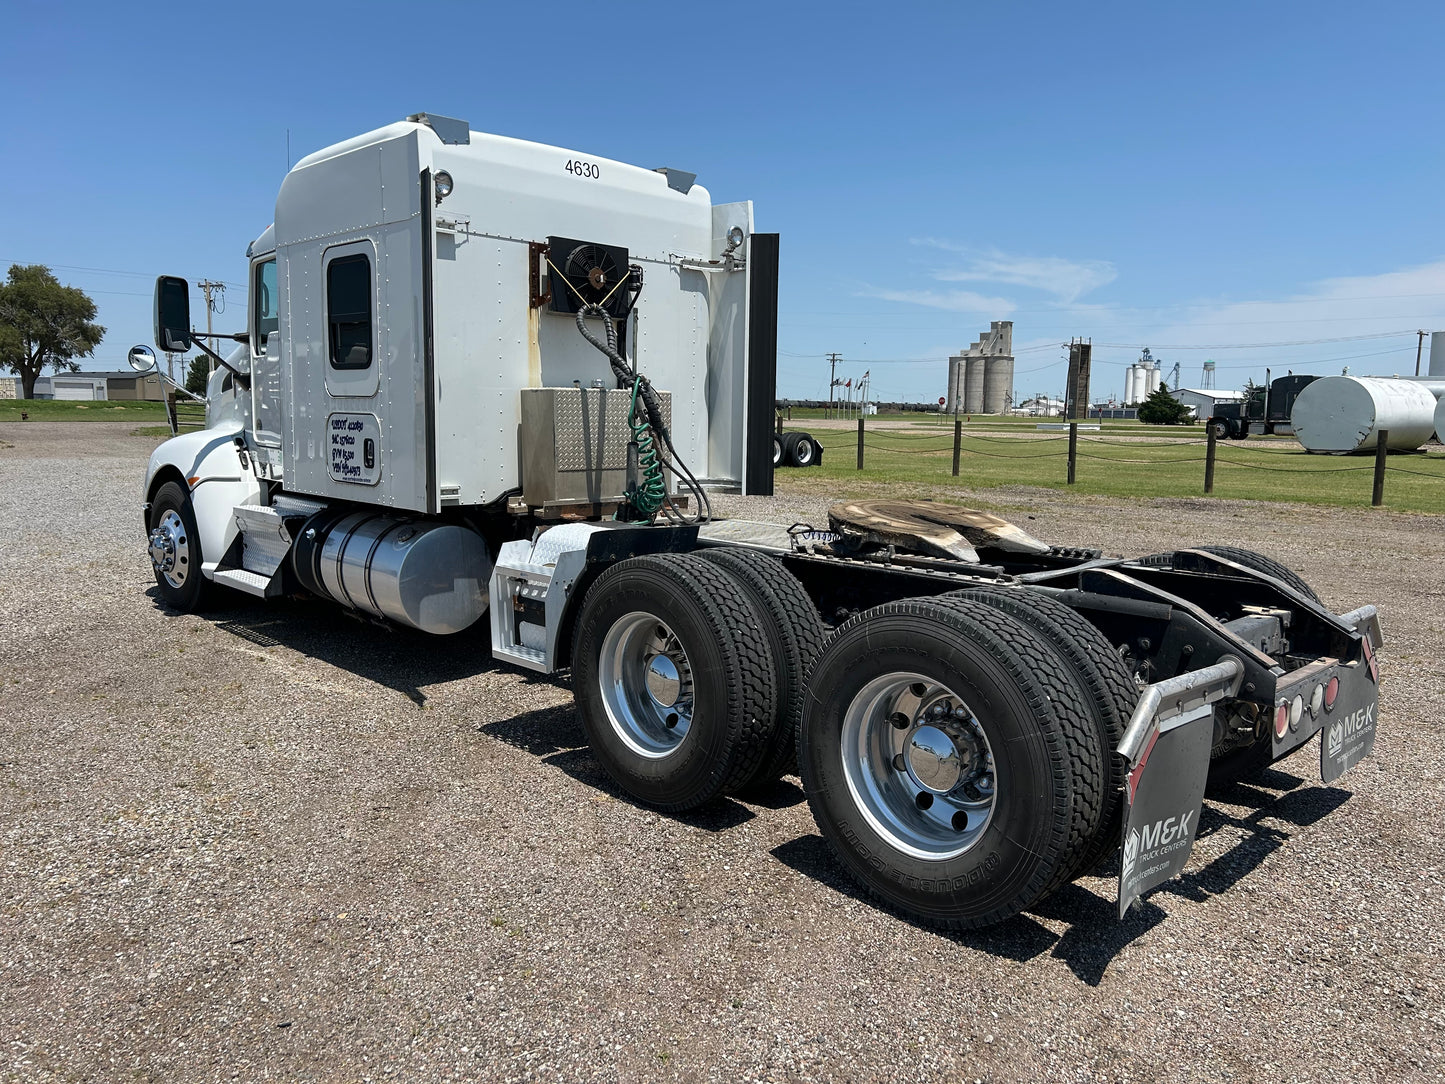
(646, 684)
(170, 549)
(918, 766)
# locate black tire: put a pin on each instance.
(726, 669)
(1249, 559)
(777, 451)
(796, 635)
(804, 452)
(1109, 691)
(1220, 429)
(1047, 799)
(790, 440)
(183, 587)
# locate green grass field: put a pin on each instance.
(1255, 470)
(52, 410)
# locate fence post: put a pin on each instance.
(1209, 447)
(957, 442)
(1381, 451)
(1073, 449)
(780, 423)
(860, 442)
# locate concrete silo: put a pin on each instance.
(988, 370)
(998, 384)
(973, 385)
(954, 392)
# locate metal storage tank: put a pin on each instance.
(1437, 354)
(998, 384)
(1131, 385)
(954, 391)
(1440, 420)
(973, 385)
(1342, 414)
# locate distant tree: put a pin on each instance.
(1161, 408)
(197, 374)
(43, 323)
(1254, 399)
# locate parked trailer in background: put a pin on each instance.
(484, 379)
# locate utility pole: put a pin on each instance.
(208, 287)
(832, 374)
(1419, 349)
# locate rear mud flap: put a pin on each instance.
(1166, 747)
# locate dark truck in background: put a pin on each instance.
(1263, 415)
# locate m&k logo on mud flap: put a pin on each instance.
(1351, 726)
(1148, 850)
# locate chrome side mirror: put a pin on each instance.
(141, 358)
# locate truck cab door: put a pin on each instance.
(266, 384)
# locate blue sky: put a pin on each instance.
(1202, 176)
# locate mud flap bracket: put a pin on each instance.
(1166, 751)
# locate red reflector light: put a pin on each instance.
(1281, 719)
(1332, 690)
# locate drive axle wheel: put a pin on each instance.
(795, 635)
(673, 679)
(174, 547)
(950, 760)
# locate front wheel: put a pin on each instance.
(174, 547)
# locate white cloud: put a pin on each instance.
(1067, 280)
(948, 300)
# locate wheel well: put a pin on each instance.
(164, 475)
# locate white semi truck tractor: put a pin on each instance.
(485, 379)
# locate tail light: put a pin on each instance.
(1332, 692)
(1296, 712)
(1317, 700)
(1281, 718)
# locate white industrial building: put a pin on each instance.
(1041, 406)
(1202, 400)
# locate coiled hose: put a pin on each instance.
(653, 485)
(651, 491)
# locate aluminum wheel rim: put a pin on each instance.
(805, 452)
(918, 765)
(170, 549)
(646, 684)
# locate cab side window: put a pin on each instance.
(348, 311)
(263, 294)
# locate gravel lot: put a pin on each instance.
(274, 843)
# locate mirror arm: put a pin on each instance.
(244, 379)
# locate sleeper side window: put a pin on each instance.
(348, 311)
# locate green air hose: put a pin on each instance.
(652, 487)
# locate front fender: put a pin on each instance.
(208, 462)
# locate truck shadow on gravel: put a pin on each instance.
(1095, 935)
(554, 735)
(397, 658)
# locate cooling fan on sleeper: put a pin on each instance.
(587, 272)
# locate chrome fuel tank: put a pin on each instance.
(429, 576)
